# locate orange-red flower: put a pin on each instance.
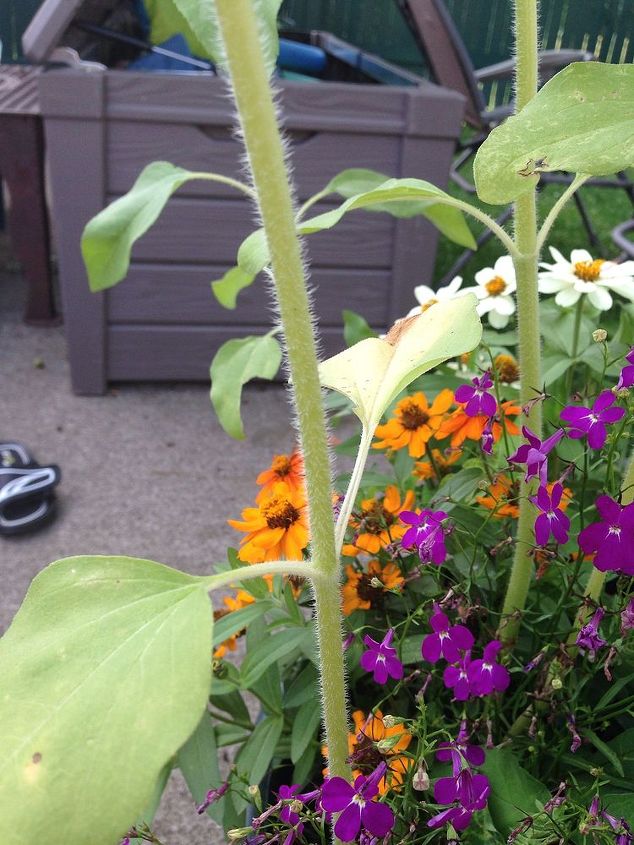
(277, 528)
(363, 590)
(377, 525)
(461, 427)
(365, 756)
(240, 600)
(414, 423)
(502, 497)
(442, 462)
(284, 468)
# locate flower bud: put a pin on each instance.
(295, 806)
(376, 582)
(256, 797)
(557, 683)
(388, 743)
(599, 335)
(238, 833)
(420, 781)
(390, 721)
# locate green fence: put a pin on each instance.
(603, 27)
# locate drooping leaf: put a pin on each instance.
(234, 364)
(105, 674)
(226, 290)
(581, 121)
(514, 791)
(355, 180)
(402, 198)
(198, 761)
(305, 725)
(355, 327)
(373, 372)
(108, 238)
(253, 256)
(257, 752)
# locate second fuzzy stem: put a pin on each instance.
(265, 152)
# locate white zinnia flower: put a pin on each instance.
(426, 297)
(495, 286)
(583, 274)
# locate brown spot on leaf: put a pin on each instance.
(36, 757)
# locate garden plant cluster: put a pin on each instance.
(440, 640)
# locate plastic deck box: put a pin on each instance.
(162, 322)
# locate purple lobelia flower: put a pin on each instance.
(486, 676)
(535, 453)
(447, 641)
(612, 538)
(571, 724)
(478, 401)
(356, 805)
(552, 519)
(487, 439)
(622, 830)
(592, 421)
(588, 637)
(460, 748)
(381, 658)
(627, 617)
(427, 533)
(470, 792)
(626, 379)
(456, 677)
(286, 793)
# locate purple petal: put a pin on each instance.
(491, 651)
(556, 495)
(552, 441)
(368, 660)
(609, 509)
(349, 823)
(543, 499)
(439, 621)
(603, 400)
(461, 637)
(409, 517)
(612, 415)
(464, 393)
(380, 672)
(394, 668)
(409, 538)
(520, 456)
(597, 435)
(431, 648)
(377, 818)
(559, 526)
(372, 644)
(336, 794)
(444, 817)
(501, 678)
(475, 755)
(445, 790)
(575, 414)
(542, 529)
(488, 405)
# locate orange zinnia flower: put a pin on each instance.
(365, 756)
(462, 427)
(277, 528)
(414, 423)
(442, 460)
(377, 526)
(363, 590)
(241, 599)
(286, 468)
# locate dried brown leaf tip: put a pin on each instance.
(399, 328)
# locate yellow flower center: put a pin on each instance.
(496, 286)
(375, 519)
(507, 368)
(412, 416)
(279, 513)
(427, 305)
(281, 465)
(588, 271)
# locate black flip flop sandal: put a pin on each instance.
(14, 454)
(26, 496)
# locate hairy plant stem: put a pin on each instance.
(299, 568)
(239, 29)
(525, 218)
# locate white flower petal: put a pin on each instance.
(484, 276)
(423, 294)
(485, 305)
(600, 298)
(559, 259)
(454, 284)
(546, 284)
(624, 287)
(497, 320)
(504, 268)
(566, 298)
(578, 255)
(504, 305)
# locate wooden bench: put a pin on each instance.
(22, 168)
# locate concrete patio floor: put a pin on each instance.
(147, 471)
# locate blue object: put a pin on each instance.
(155, 61)
(301, 57)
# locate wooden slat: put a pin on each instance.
(316, 157)
(180, 353)
(210, 231)
(163, 294)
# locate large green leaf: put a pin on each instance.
(401, 198)
(257, 752)
(514, 792)
(373, 372)
(235, 363)
(305, 725)
(581, 121)
(108, 237)
(105, 673)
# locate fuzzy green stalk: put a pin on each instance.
(525, 219)
(249, 76)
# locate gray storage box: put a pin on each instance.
(162, 322)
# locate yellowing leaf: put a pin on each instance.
(373, 372)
